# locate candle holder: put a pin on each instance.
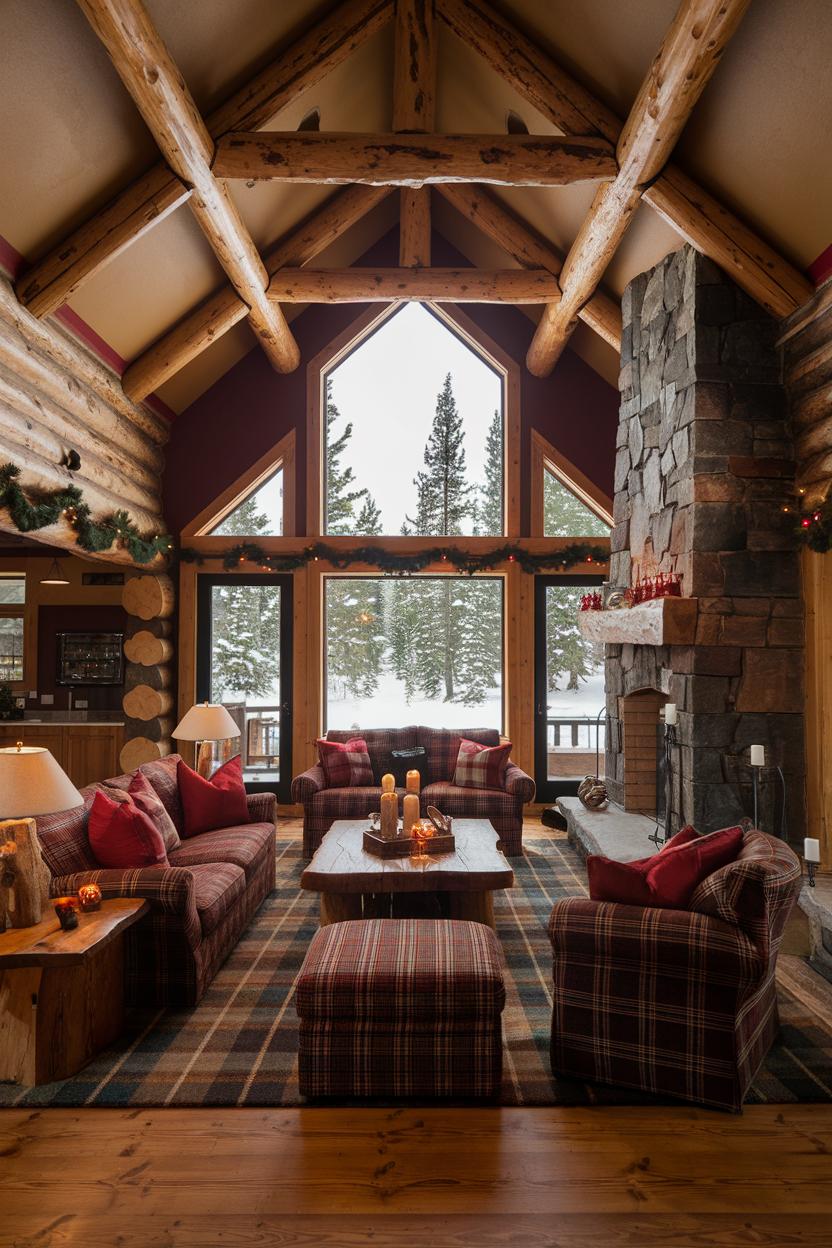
(66, 908)
(89, 898)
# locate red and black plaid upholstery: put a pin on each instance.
(401, 1007)
(676, 1003)
(345, 764)
(504, 807)
(481, 766)
(200, 904)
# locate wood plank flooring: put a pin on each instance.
(632, 1177)
(476, 1178)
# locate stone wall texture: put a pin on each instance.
(704, 469)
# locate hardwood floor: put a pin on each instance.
(425, 1178)
(616, 1178)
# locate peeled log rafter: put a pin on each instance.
(216, 315)
(149, 597)
(295, 69)
(358, 285)
(145, 649)
(413, 159)
(139, 750)
(145, 703)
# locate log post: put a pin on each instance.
(414, 108)
(29, 893)
(149, 675)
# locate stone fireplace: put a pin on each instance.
(704, 470)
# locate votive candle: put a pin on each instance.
(89, 897)
(758, 756)
(811, 849)
(388, 783)
(66, 908)
(389, 815)
(413, 782)
(410, 812)
(670, 714)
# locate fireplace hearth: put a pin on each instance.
(704, 469)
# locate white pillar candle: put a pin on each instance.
(758, 756)
(410, 812)
(670, 713)
(389, 816)
(811, 849)
(388, 783)
(413, 782)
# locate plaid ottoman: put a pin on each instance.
(401, 1007)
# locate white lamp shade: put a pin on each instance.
(32, 783)
(206, 722)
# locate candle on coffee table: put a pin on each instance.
(413, 782)
(388, 783)
(410, 812)
(389, 816)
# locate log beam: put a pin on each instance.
(217, 314)
(147, 70)
(300, 66)
(414, 109)
(696, 215)
(413, 159)
(678, 75)
(483, 209)
(359, 285)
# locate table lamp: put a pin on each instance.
(206, 723)
(31, 783)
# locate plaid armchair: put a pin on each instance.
(200, 904)
(503, 807)
(678, 1003)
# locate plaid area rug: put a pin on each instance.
(239, 1045)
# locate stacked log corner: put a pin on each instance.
(148, 701)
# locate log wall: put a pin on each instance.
(149, 676)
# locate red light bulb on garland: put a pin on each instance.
(805, 522)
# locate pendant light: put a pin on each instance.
(55, 575)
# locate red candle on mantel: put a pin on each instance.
(66, 909)
(89, 897)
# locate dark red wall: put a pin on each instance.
(76, 619)
(252, 407)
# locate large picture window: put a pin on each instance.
(421, 649)
(413, 434)
(12, 633)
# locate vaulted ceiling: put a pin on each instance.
(72, 138)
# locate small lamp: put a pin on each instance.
(31, 783)
(55, 575)
(206, 723)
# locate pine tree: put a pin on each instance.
(340, 497)
(355, 623)
(245, 624)
(443, 498)
(566, 650)
(490, 508)
(564, 515)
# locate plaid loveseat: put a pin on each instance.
(504, 807)
(200, 904)
(679, 1003)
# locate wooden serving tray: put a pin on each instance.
(439, 844)
(401, 847)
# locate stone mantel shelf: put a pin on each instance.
(661, 622)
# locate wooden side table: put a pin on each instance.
(62, 993)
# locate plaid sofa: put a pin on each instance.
(200, 904)
(676, 1003)
(504, 807)
(401, 1007)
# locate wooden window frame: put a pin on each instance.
(27, 612)
(546, 458)
(462, 326)
(280, 457)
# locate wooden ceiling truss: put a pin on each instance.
(629, 163)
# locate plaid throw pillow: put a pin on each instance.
(481, 766)
(346, 764)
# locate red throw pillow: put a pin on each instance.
(346, 764)
(123, 836)
(147, 799)
(481, 766)
(666, 879)
(216, 803)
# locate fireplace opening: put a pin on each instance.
(641, 722)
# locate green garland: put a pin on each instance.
(53, 505)
(387, 561)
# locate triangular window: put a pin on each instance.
(260, 514)
(566, 515)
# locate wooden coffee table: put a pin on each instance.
(354, 884)
(62, 993)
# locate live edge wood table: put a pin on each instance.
(354, 884)
(62, 993)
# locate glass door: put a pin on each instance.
(569, 689)
(244, 661)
